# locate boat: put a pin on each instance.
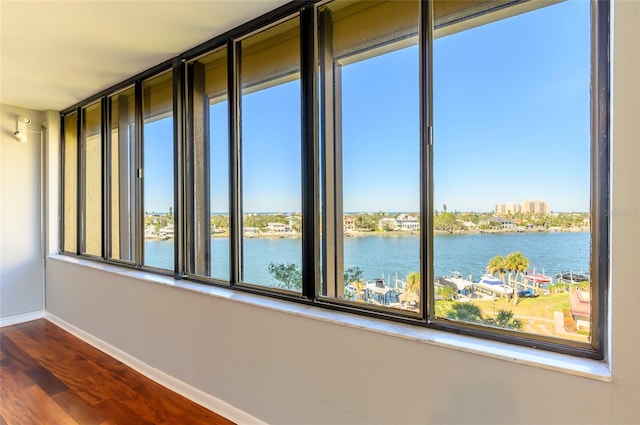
(537, 278)
(491, 285)
(490, 279)
(455, 281)
(570, 277)
(377, 292)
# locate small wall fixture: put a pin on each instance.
(21, 128)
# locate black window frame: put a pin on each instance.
(134, 167)
(311, 244)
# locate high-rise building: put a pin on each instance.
(535, 206)
(508, 208)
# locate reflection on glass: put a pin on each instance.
(211, 166)
(122, 175)
(93, 179)
(158, 174)
(512, 172)
(370, 150)
(271, 140)
(70, 186)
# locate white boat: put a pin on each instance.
(460, 283)
(489, 279)
(492, 285)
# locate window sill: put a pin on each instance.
(587, 368)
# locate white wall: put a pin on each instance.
(284, 368)
(21, 283)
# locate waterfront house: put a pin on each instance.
(407, 222)
(278, 228)
(580, 302)
(250, 231)
(403, 222)
(348, 224)
(167, 231)
(500, 223)
(387, 223)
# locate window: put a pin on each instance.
(370, 150)
(70, 187)
(511, 100)
(270, 157)
(157, 171)
(92, 179)
(425, 162)
(209, 149)
(122, 176)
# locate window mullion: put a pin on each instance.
(63, 183)
(199, 174)
(309, 150)
(425, 37)
(106, 204)
(235, 198)
(600, 157)
(332, 245)
(139, 174)
(179, 167)
(81, 183)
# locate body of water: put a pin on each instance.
(386, 256)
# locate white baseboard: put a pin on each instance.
(21, 318)
(197, 396)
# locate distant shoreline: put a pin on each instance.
(400, 233)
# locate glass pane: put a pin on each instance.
(122, 175)
(271, 199)
(512, 172)
(371, 153)
(211, 166)
(158, 177)
(93, 179)
(219, 186)
(70, 184)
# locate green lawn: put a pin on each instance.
(535, 313)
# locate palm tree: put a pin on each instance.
(504, 319)
(497, 264)
(518, 263)
(465, 312)
(446, 292)
(413, 282)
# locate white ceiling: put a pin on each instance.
(56, 53)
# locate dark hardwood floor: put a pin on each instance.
(48, 376)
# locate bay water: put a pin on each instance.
(391, 255)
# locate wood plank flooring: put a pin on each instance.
(48, 376)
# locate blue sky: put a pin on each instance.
(511, 122)
(511, 112)
(158, 165)
(271, 149)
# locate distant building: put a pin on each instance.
(580, 302)
(535, 207)
(149, 232)
(401, 222)
(387, 223)
(500, 223)
(167, 231)
(508, 208)
(278, 228)
(348, 224)
(407, 222)
(469, 224)
(250, 231)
